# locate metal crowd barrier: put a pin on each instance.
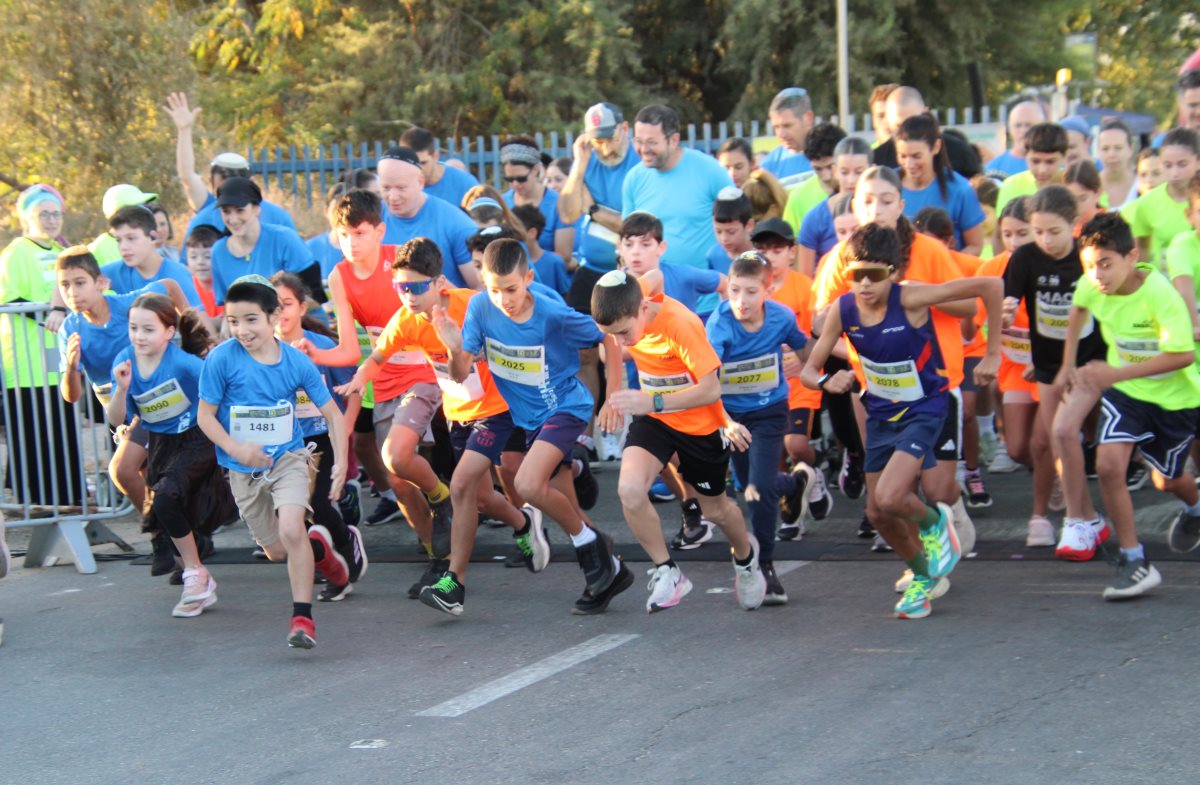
(56, 454)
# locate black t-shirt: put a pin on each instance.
(963, 158)
(1048, 289)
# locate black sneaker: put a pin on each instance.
(386, 511)
(596, 561)
(851, 478)
(163, 553)
(865, 530)
(590, 604)
(693, 531)
(333, 593)
(792, 505)
(1136, 476)
(355, 554)
(176, 578)
(516, 559)
(447, 595)
(350, 505)
(434, 570)
(1134, 578)
(587, 490)
(789, 532)
(1184, 534)
(1089, 461)
(440, 538)
(775, 593)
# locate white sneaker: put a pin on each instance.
(1077, 542)
(1002, 463)
(1041, 532)
(197, 585)
(608, 446)
(939, 589)
(820, 500)
(668, 585)
(749, 584)
(964, 526)
(989, 443)
(537, 538)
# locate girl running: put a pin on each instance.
(928, 181)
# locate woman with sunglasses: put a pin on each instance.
(895, 353)
(525, 174)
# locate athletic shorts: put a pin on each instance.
(703, 460)
(516, 440)
(561, 430)
(261, 494)
(1163, 436)
(579, 296)
(969, 366)
(488, 436)
(134, 433)
(949, 443)
(915, 434)
(365, 422)
(414, 410)
(801, 421)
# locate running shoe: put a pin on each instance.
(775, 591)
(596, 560)
(356, 555)
(1134, 578)
(988, 444)
(964, 527)
(197, 585)
(447, 595)
(976, 490)
(532, 542)
(333, 593)
(937, 590)
(162, 559)
(792, 506)
(440, 537)
(303, 633)
(1182, 537)
(915, 603)
(332, 564)
(941, 543)
(1003, 462)
(792, 532)
(433, 570)
(659, 492)
(609, 447)
(866, 530)
(880, 545)
(189, 610)
(587, 490)
(748, 582)
(385, 512)
(694, 531)
(851, 479)
(1058, 498)
(1077, 542)
(668, 585)
(820, 500)
(590, 604)
(350, 505)
(259, 554)
(1136, 476)
(1040, 533)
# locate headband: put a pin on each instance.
(517, 153)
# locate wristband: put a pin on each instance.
(59, 308)
(822, 381)
(592, 209)
(658, 403)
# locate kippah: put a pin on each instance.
(613, 278)
(729, 193)
(490, 230)
(254, 278)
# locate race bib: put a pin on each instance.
(265, 425)
(469, 389)
(305, 408)
(756, 375)
(893, 381)
(664, 384)
(1052, 321)
(1133, 351)
(365, 344)
(160, 404)
(1016, 346)
(520, 364)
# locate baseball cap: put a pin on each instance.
(1077, 124)
(238, 192)
(231, 161)
(123, 195)
(405, 154)
(601, 120)
(773, 227)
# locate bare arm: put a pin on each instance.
(972, 241)
(115, 409)
(574, 199)
(70, 383)
(245, 454)
(471, 276)
(564, 242)
(831, 333)
(806, 261)
(1187, 287)
(346, 353)
(184, 117)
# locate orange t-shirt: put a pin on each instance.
(208, 299)
(373, 302)
(977, 346)
(673, 354)
(797, 294)
(474, 398)
(928, 262)
(1014, 342)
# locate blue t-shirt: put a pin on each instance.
(751, 371)
(167, 399)
(537, 287)
(209, 213)
(126, 279)
(683, 200)
(452, 186)
(552, 271)
(260, 398)
(549, 210)
(99, 344)
(534, 364)
(784, 164)
(688, 285)
(817, 232)
(278, 248)
(1006, 164)
(719, 260)
(598, 247)
(324, 254)
(312, 422)
(960, 202)
(442, 222)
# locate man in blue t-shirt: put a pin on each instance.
(412, 213)
(1021, 118)
(444, 182)
(677, 185)
(791, 118)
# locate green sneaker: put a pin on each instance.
(914, 604)
(941, 544)
(447, 595)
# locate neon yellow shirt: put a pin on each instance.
(29, 351)
(1157, 216)
(1183, 258)
(801, 199)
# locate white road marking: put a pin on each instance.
(64, 591)
(530, 674)
(369, 744)
(784, 567)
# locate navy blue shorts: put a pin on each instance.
(488, 437)
(969, 366)
(801, 421)
(915, 434)
(561, 430)
(1162, 435)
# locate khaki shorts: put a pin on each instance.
(414, 410)
(259, 496)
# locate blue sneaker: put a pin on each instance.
(659, 492)
(915, 602)
(942, 548)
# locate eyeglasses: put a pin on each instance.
(516, 178)
(415, 288)
(50, 216)
(872, 274)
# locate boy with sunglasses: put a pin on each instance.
(895, 354)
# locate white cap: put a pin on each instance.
(230, 161)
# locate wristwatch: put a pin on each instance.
(592, 208)
(821, 382)
(658, 403)
(58, 308)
